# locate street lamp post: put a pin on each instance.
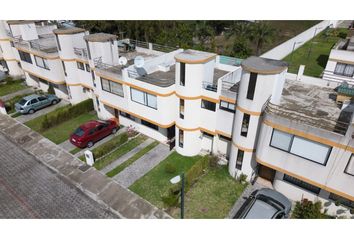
(314, 35)
(176, 180)
(291, 56)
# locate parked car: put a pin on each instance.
(265, 204)
(87, 134)
(34, 102)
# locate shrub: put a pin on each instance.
(170, 168)
(242, 178)
(307, 210)
(66, 113)
(170, 200)
(213, 161)
(110, 145)
(51, 89)
(196, 171)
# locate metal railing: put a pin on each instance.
(99, 64)
(230, 60)
(139, 43)
(163, 48)
(314, 121)
(81, 52)
(210, 86)
(332, 76)
(35, 45)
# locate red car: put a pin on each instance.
(87, 134)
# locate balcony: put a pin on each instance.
(210, 86)
(158, 78)
(115, 69)
(45, 44)
(81, 53)
(230, 84)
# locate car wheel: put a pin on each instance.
(31, 111)
(54, 102)
(114, 130)
(89, 144)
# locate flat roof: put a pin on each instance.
(17, 22)
(194, 57)
(160, 78)
(218, 73)
(100, 37)
(71, 30)
(264, 65)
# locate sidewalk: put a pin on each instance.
(18, 93)
(142, 166)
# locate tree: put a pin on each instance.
(306, 209)
(240, 49)
(242, 33)
(51, 89)
(262, 33)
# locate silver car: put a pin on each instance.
(34, 102)
(265, 204)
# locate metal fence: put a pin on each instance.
(210, 86)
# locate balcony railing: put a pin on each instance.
(46, 45)
(210, 86)
(332, 76)
(99, 64)
(315, 121)
(81, 52)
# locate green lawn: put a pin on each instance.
(61, 132)
(132, 159)
(157, 182)
(11, 86)
(75, 150)
(131, 144)
(319, 48)
(212, 196)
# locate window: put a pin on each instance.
(180, 138)
(127, 115)
(150, 125)
(57, 38)
(42, 98)
(227, 106)
(143, 98)
(34, 101)
(344, 69)
(301, 184)
(80, 66)
(245, 124)
(87, 67)
(310, 150)
(239, 159)
(181, 108)
(41, 62)
(12, 44)
(349, 169)
(112, 87)
(182, 74)
(88, 50)
(251, 85)
(93, 78)
(341, 200)
(62, 62)
(208, 105)
(26, 57)
(205, 134)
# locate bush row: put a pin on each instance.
(63, 114)
(102, 150)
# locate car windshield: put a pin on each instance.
(22, 102)
(261, 210)
(79, 132)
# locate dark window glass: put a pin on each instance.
(87, 67)
(301, 184)
(88, 50)
(181, 138)
(208, 105)
(79, 132)
(62, 62)
(245, 124)
(26, 57)
(80, 66)
(150, 125)
(239, 159)
(252, 86)
(57, 38)
(181, 108)
(127, 115)
(341, 200)
(42, 98)
(33, 101)
(182, 73)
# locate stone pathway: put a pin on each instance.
(142, 166)
(28, 117)
(126, 156)
(18, 93)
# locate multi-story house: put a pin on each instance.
(290, 133)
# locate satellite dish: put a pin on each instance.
(139, 62)
(122, 61)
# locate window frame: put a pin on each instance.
(228, 109)
(145, 96)
(23, 56)
(346, 166)
(239, 152)
(248, 118)
(79, 64)
(87, 67)
(343, 73)
(181, 108)
(149, 124)
(182, 74)
(44, 61)
(110, 87)
(180, 133)
(201, 105)
(287, 178)
(64, 68)
(252, 83)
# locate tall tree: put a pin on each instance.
(262, 33)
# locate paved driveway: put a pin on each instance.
(28, 189)
(27, 117)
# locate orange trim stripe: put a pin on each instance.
(341, 61)
(196, 61)
(226, 99)
(74, 60)
(248, 112)
(47, 79)
(223, 133)
(326, 188)
(243, 148)
(37, 54)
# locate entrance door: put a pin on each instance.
(266, 173)
(171, 136)
(116, 115)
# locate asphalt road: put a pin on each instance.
(28, 189)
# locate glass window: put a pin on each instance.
(181, 108)
(245, 124)
(181, 138)
(105, 85)
(251, 85)
(239, 159)
(150, 125)
(281, 140)
(116, 88)
(301, 184)
(42, 98)
(62, 62)
(341, 200)
(350, 166)
(87, 67)
(33, 101)
(227, 106)
(182, 73)
(41, 62)
(26, 57)
(344, 69)
(56, 37)
(137, 96)
(310, 150)
(80, 66)
(208, 105)
(151, 100)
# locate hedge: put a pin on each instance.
(63, 114)
(107, 147)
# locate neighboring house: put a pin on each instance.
(250, 114)
(340, 64)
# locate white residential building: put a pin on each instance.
(289, 132)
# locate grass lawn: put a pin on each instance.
(321, 47)
(11, 87)
(157, 182)
(120, 151)
(212, 196)
(132, 159)
(75, 150)
(61, 132)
